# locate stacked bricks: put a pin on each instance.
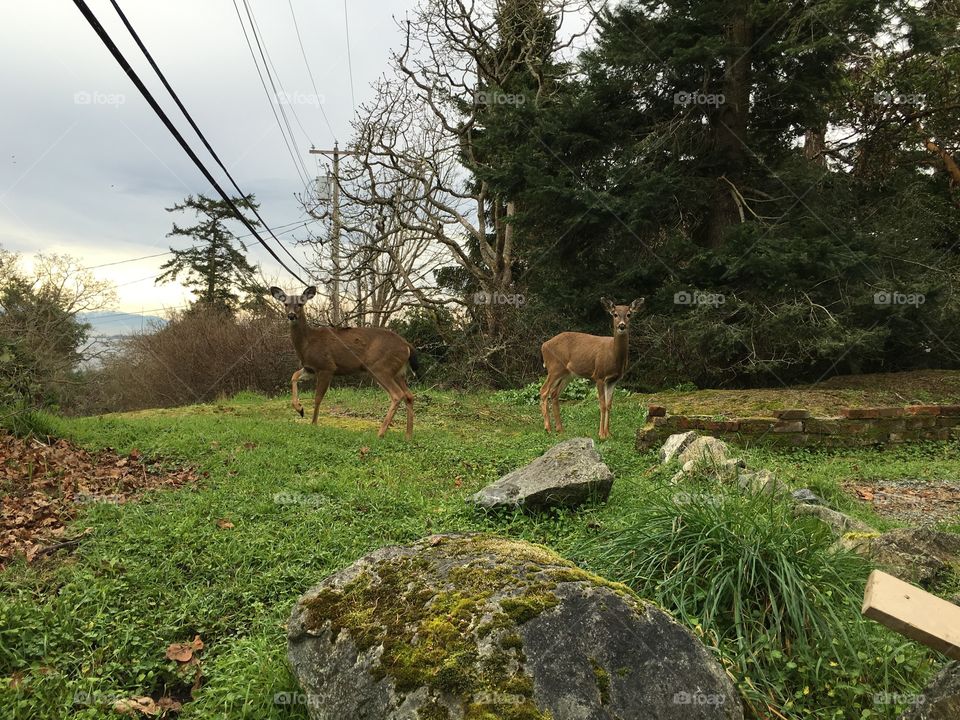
(798, 428)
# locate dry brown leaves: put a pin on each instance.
(42, 486)
(919, 502)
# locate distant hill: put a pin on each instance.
(111, 324)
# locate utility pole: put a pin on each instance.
(336, 316)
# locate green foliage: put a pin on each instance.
(216, 271)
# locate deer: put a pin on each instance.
(598, 358)
(327, 351)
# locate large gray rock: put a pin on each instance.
(940, 700)
(474, 626)
(840, 523)
(806, 496)
(704, 451)
(917, 555)
(567, 475)
(675, 444)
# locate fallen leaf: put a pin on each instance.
(132, 706)
(181, 652)
(363, 451)
(170, 704)
(224, 524)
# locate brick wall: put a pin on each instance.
(797, 427)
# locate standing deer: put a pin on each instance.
(602, 359)
(329, 351)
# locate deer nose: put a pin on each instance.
(291, 316)
(622, 326)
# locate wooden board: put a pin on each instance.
(913, 612)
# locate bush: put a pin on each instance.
(197, 356)
(769, 591)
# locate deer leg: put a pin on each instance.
(557, 391)
(544, 402)
(294, 391)
(323, 382)
(408, 399)
(396, 395)
(608, 392)
(603, 411)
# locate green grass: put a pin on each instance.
(306, 501)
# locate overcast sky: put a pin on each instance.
(87, 168)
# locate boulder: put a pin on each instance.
(761, 482)
(940, 700)
(567, 475)
(840, 523)
(474, 626)
(706, 451)
(916, 555)
(675, 444)
(806, 496)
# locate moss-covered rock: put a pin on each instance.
(474, 627)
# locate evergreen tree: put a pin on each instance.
(216, 271)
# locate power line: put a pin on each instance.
(131, 73)
(303, 52)
(301, 168)
(346, 27)
(289, 229)
(196, 129)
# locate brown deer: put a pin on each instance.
(329, 351)
(601, 359)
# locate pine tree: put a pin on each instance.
(217, 272)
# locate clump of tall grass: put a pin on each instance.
(770, 591)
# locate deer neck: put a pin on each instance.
(299, 331)
(621, 342)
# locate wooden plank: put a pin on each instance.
(913, 612)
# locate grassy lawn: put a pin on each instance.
(305, 501)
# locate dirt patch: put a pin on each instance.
(915, 502)
(44, 485)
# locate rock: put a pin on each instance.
(656, 411)
(675, 444)
(761, 481)
(704, 450)
(916, 555)
(940, 700)
(458, 626)
(839, 522)
(806, 496)
(567, 475)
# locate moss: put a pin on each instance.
(528, 606)
(427, 619)
(860, 535)
(602, 678)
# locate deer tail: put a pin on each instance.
(414, 363)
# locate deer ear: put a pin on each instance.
(637, 304)
(308, 293)
(278, 294)
(607, 304)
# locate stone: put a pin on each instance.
(656, 411)
(567, 475)
(916, 555)
(940, 700)
(788, 426)
(704, 450)
(840, 523)
(806, 496)
(761, 481)
(458, 626)
(792, 414)
(675, 444)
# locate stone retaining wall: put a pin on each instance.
(797, 427)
